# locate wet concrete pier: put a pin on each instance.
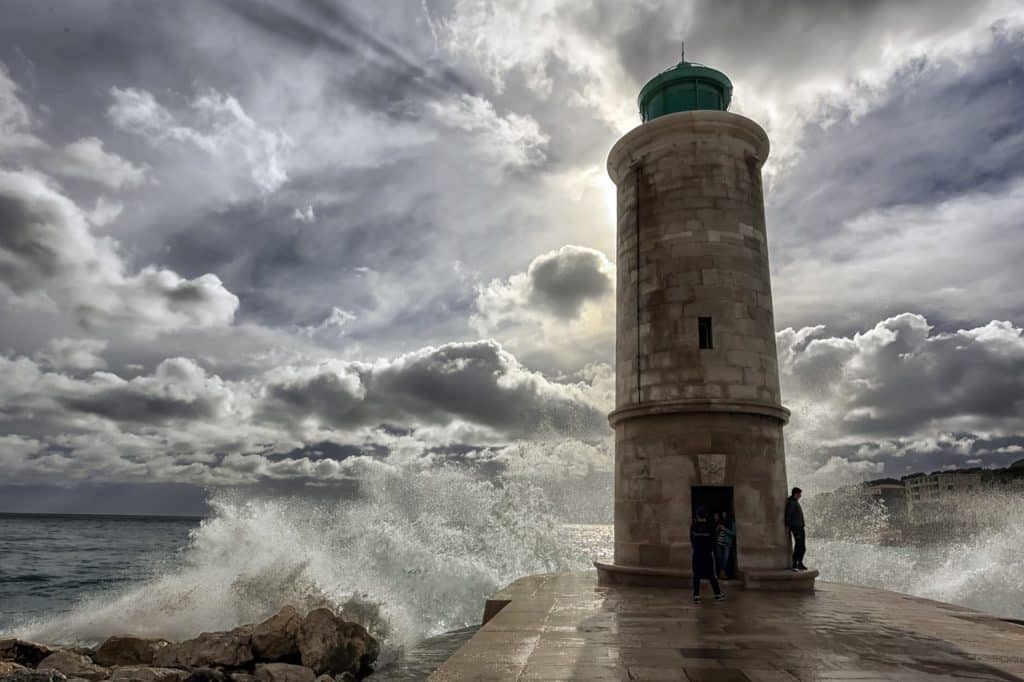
(565, 627)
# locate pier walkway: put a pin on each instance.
(565, 627)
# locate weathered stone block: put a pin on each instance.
(653, 555)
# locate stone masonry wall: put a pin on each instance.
(702, 252)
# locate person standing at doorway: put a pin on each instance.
(795, 526)
(702, 540)
(726, 528)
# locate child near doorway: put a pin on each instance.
(726, 528)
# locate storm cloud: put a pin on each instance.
(476, 382)
(47, 248)
(562, 307)
(900, 393)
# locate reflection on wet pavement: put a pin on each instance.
(564, 627)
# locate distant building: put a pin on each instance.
(1010, 479)
(926, 492)
(893, 493)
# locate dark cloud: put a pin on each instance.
(34, 235)
(558, 315)
(920, 144)
(899, 378)
(179, 390)
(474, 382)
(900, 393)
(564, 280)
(47, 248)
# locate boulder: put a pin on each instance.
(142, 673)
(328, 644)
(345, 677)
(23, 652)
(243, 677)
(325, 678)
(84, 650)
(8, 667)
(35, 676)
(128, 651)
(230, 649)
(74, 665)
(276, 639)
(207, 675)
(283, 672)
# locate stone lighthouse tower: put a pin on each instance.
(698, 418)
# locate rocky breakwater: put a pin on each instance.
(287, 647)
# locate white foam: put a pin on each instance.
(427, 545)
(984, 570)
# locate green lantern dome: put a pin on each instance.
(685, 87)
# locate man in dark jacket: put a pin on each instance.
(795, 525)
(702, 539)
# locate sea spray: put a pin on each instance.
(416, 554)
(966, 552)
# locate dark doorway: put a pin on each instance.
(715, 499)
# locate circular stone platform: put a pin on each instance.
(564, 626)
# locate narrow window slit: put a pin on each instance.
(704, 332)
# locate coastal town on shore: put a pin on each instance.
(918, 507)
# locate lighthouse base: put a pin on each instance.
(775, 580)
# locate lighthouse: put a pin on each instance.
(698, 416)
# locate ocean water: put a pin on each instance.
(417, 556)
(48, 563)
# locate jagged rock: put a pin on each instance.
(74, 665)
(23, 652)
(276, 639)
(230, 649)
(142, 673)
(84, 650)
(283, 672)
(206, 675)
(8, 667)
(328, 644)
(35, 676)
(345, 677)
(128, 651)
(325, 678)
(243, 677)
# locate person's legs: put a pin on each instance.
(696, 584)
(714, 585)
(799, 548)
(724, 554)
